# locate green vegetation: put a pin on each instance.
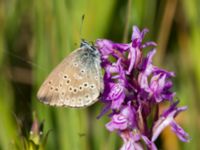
(36, 35)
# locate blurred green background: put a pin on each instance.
(36, 35)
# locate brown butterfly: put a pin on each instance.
(76, 81)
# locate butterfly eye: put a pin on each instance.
(68, 81)
(60, 84)
(51, 88)
(80, 88)
(85, 84)
(79, 99)
(50, 82)
(56, 89)
(87, 96)
(65, 76)
(87, 100)
(75, 90)
(82, 71)
(75, 64)
(92, 86)
(70, 89)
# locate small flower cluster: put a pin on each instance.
(134, 88)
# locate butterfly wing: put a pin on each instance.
(75, 82)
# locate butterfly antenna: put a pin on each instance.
(82, 19)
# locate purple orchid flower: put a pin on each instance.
(134, 88)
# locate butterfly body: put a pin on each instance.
(76, 81)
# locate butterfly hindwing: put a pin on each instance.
(75, 82)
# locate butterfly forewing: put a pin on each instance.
(75, 82)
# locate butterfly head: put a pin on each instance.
(89, 46)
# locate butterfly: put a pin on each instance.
(76, 81)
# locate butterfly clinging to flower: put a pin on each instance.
(76, 81)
